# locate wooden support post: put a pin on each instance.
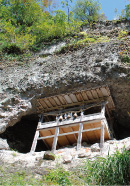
(102, 134)
(34, 144)
(103, 109)
(55, 139)
(102, 125)
(80, 134)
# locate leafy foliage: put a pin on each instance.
(58, 176)
(86, 10)
(26, 25)
(127, 10)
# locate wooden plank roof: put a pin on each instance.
(77, 98)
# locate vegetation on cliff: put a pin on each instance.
(27, 26)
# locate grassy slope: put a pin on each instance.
(114, 170)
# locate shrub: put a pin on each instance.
(125, 58)
(58, 176)
(122, 33)
(114, 170)
(12, 49)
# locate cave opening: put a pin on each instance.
(21, 135)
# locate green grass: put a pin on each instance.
(15, 179)
(81, 43)
(113, 170)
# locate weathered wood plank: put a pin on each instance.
(102, 134)
(34, 144)
(55, 139)
(74, 104)
(87, 119)
(73, 97)
(80, 136)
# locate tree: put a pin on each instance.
(66, 3)
(20, 12)
(86, 10)
(127, 10)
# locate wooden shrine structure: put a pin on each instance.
(71, 121)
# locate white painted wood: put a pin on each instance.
(86, 119)
(34, 144)
(80, 136)
(55, 139)
(103, 109)
(106, 126)
(102, 134)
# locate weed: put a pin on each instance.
(113, 170)
(122, 33)
(125, 58)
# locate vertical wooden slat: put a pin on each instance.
(80, 136)
(102, 125)
(34, 144)
(102, 134)
(55, 139)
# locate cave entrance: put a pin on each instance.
(20, 136)
(75, 117)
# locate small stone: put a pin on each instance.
(127, 146)
(67, 159)
(95, 148)
(48, 155)
(3, 144)
(82, 155)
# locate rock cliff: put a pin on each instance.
(94, 65)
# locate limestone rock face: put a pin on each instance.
(3, 144)
(95, 147)
(92, 66)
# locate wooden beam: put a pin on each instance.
(102, 126)
(107, 128)
(34, 144)
(102, 134)
(69, 133)
(103, 109)
(74, 109)
(80, 136)
(75, 104)
(55, 139)
(87, 119)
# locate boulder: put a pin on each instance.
(3, 144)
(48, 155)
(95, 147)
(67, 159)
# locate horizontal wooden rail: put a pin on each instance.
(69, 133)
(86, 119)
